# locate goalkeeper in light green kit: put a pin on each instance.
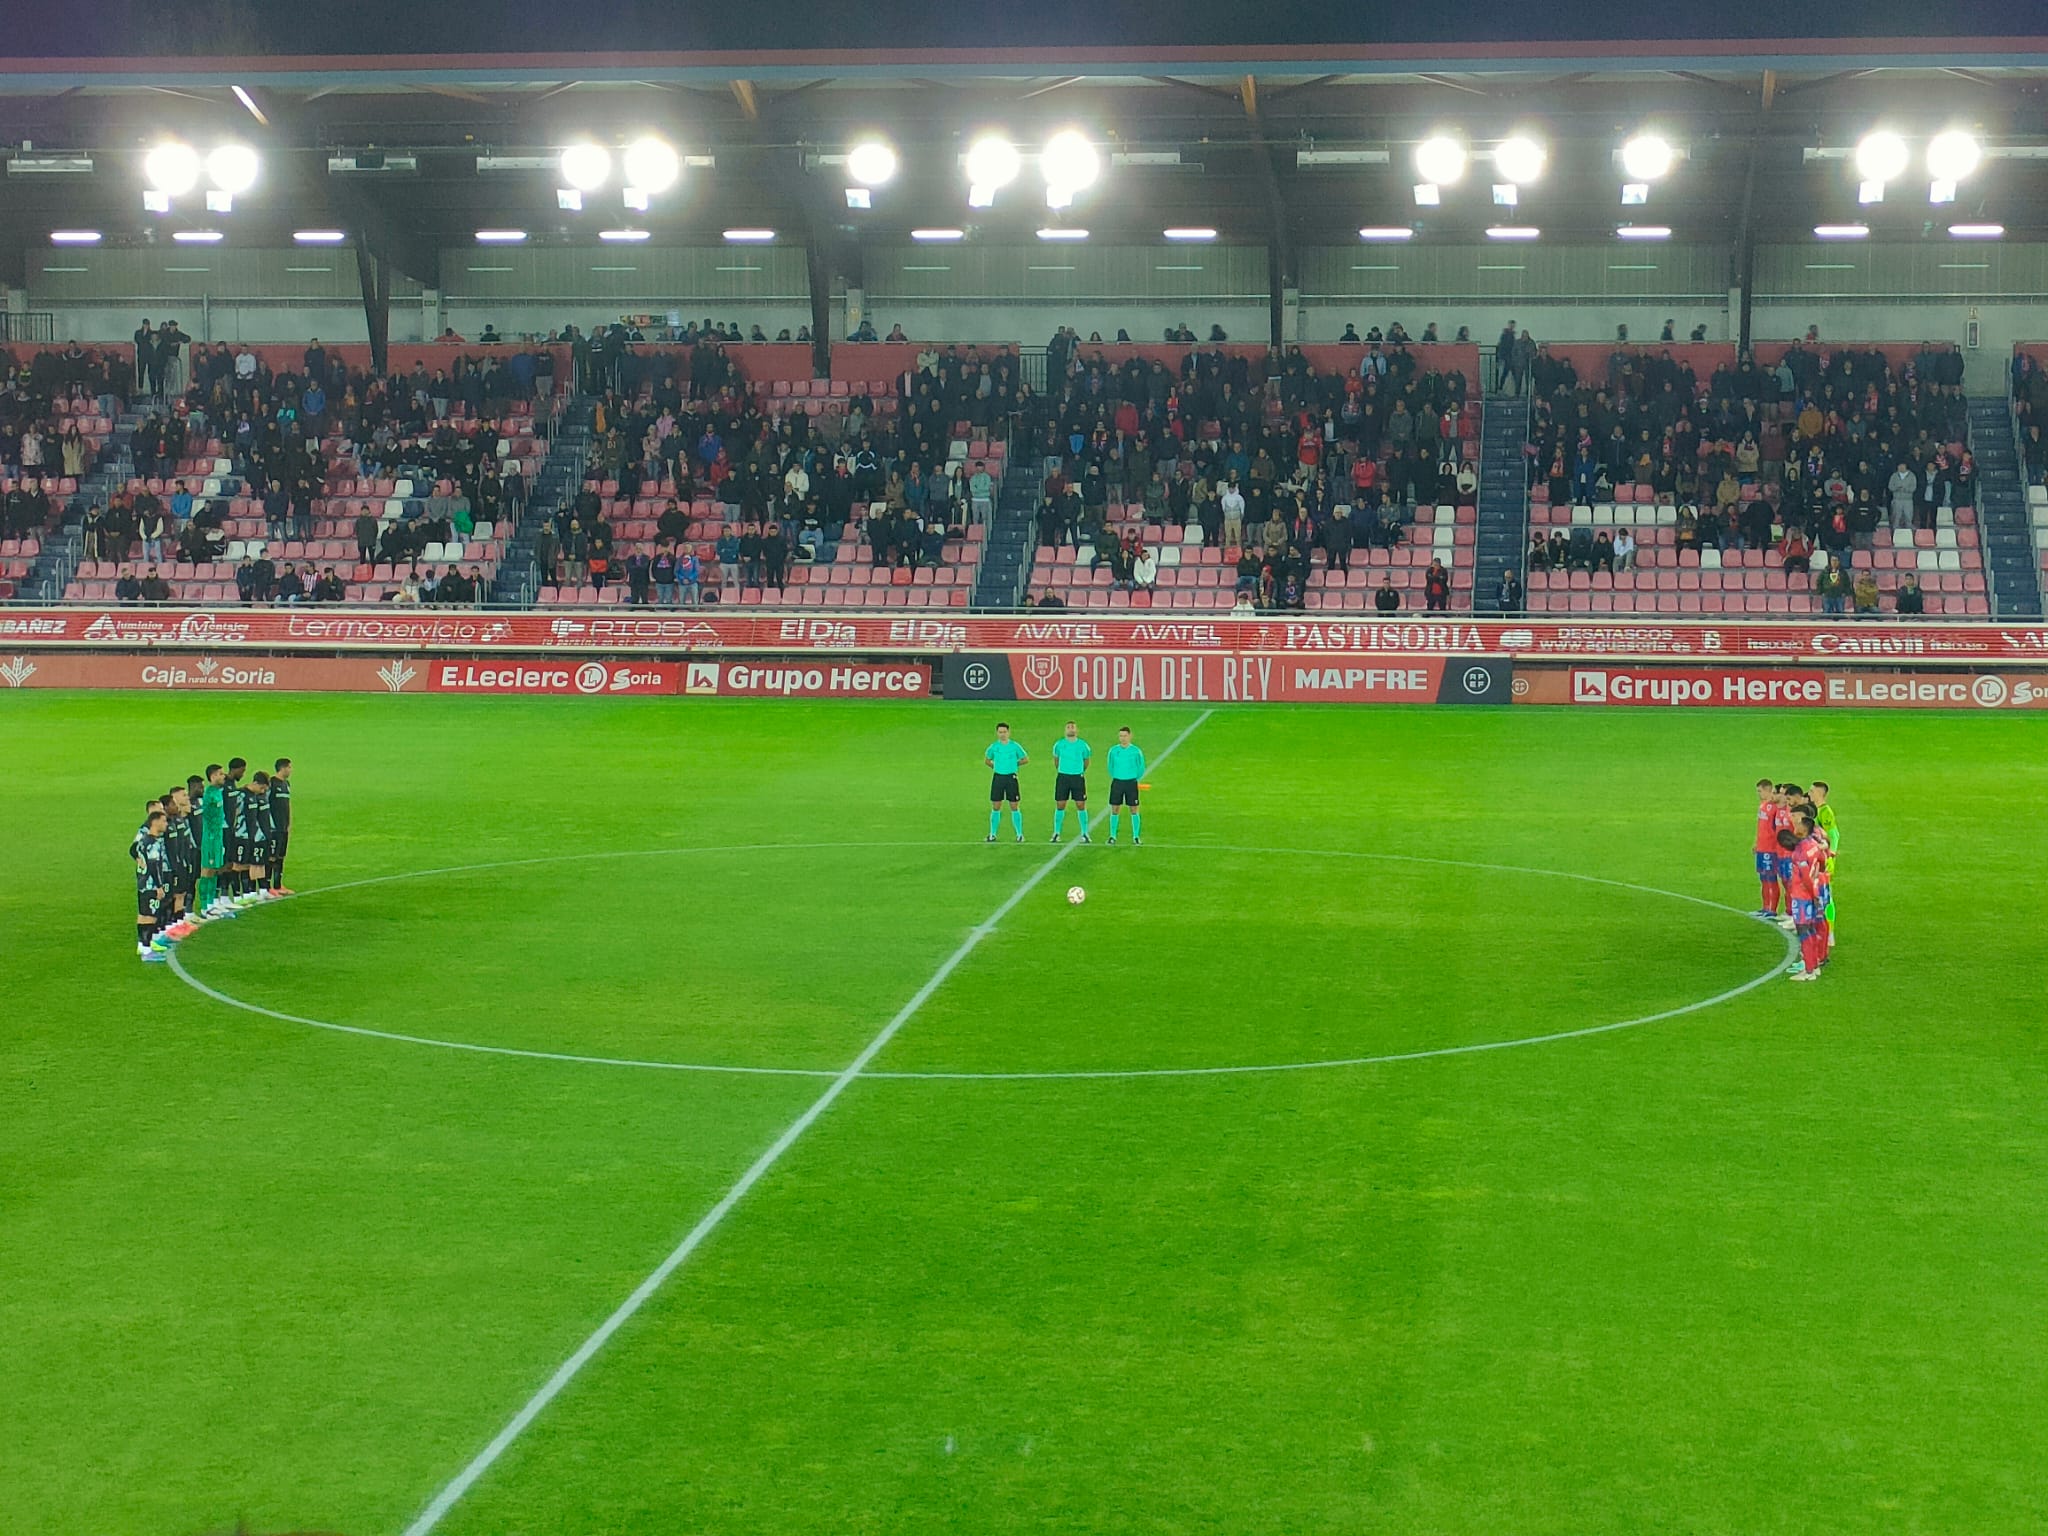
(1126, 767)
(1824, 818)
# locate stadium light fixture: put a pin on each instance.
(319, 236)
(171, 168)
(1953, 155)
(1189, 232)
(1841, 231)
(622, 236)
(233, 168)
(651, 165)
(197, 237)
(249, 103)
(1062, 232)
(1440, 160)
(1643, 232)
(500, 236)
(1881, 156)
(871, 162)
(1069, 163)
(1976, 231)
(1513, 232)
(992, 164)
(1506, 194)
(1386, 232)
(1428, 194)
(586, 166)
(74, 237)
(932, 236)
(1648, 157)
(749, 236)
(1519, 159)
(1634, 193)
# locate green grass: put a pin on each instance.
(1769, 1267)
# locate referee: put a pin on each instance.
(1070, 756)
(1126, 767)
(1004, 757)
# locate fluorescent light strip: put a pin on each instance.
(1840, 231)
(67, 269)
(1513, 232)
(1512, 267)
(1386, 232)
(619, 236)
(1192, 266)
(909, 268)
(1632, 266)
(615, 269)
(1189, 233)
(1977, 231)
(1643, 232)
(490, 269)
(319, 236)
(1946, 266)
(1392, 266)
(737, 269)
(309, 269)
(198, 237)
(938, 234)
(500, 236)
(74, 237)
(750, 236)
(1831, 266)
(188, 269)
(1063, 234)
(1068, 268)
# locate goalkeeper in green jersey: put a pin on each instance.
(1824, 818)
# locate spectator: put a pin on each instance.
(1796, 550)
(689, 578)
(981, 492)
(774, 557)
(728, 552)
(1386, 599)
(1624, 549)
(1248, 565)
(1436, 588)
(1864, 593)
(1145, 569)
(639, 578)
(1603, 552)
(751, 555)
(1050, 599)
(1909, 602)
(329, 588)
(1539, 551)
(663, 571)
(1833, 586)
(1507, 598)
(127, 589)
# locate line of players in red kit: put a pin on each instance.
(1797, 841)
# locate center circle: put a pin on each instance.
(1186, 960)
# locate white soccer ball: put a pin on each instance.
(1076, 895)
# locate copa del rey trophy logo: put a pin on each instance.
(1042, 676)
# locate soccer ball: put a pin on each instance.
(1076, 895)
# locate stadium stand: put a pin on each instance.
(1736, 490)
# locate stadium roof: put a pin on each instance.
(1290, 140)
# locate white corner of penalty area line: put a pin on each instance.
(449, 1496)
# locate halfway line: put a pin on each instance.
(565, 1373)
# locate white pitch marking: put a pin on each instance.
(567, 1371)
(975, 935)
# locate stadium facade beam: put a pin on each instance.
(373, 273)
(1743, 268)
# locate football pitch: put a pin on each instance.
(673, 1117)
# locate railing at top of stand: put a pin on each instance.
(28, 325)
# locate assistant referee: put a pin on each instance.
(1126, 767)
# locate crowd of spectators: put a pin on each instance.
(1272, 459)
(1808, 457)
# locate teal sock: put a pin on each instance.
(1137, 829)
(995, 820)
(1059, 820)
(1017, 822)
(1112, 826)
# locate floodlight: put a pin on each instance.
(1881, 156)
(871, 162)
(1952, 155)
(1440, 160)
(1519, 159)
(652, 164)
(992, 164)
(171, 168)
(1069, 162)
(232, 168)
(586, 166)
(1647, 157)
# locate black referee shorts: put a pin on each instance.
(1071, 786)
